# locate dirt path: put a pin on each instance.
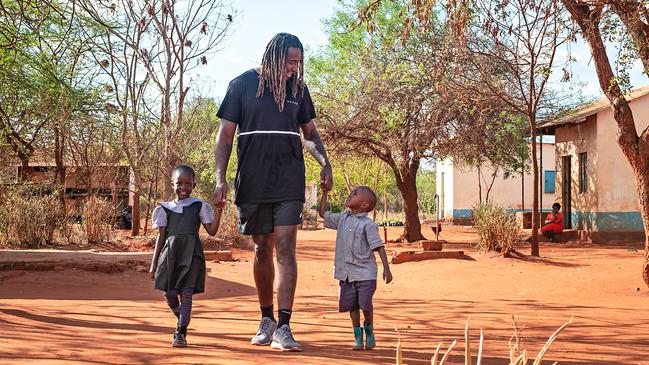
(78, 316)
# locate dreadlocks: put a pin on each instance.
(273, 69)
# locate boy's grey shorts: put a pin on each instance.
(356, 295)
(261, 218)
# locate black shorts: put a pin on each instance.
(261, 218)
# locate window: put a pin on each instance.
(548, 183)
(583, 174)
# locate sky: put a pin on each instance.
(257, 21)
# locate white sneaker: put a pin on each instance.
(265, 332)
(283, 340)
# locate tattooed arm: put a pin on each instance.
(316, 148)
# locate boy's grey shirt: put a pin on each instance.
(356, 239)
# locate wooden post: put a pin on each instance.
(385, 234)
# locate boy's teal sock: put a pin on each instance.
(358, 338)
(370, 341)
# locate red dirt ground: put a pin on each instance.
(68, 315)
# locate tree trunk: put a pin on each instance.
(479, 185)
(137, 189)
(167, 191)
(535, 193)
(148, 207)
(406, 180)
(24, 162)
(59, 143)
(491, 184)
(412, 226)
(642, 179)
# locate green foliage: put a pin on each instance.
(350, 170)
(375, 94)
(45, 80)
(613, 32)
(426, 188)
(196, 145)
(498, 230)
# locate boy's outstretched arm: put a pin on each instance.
(323, 203)
(159, 243)
(387, 274)
(213, 227)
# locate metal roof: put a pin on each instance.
(580, 113)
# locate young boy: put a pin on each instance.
(354, 264)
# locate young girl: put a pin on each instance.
(178, 264)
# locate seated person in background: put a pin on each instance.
(553, 223)
(127, 218)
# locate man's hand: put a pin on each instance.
(387, 275)
(326, 178)
(152, 273)
(220, 196)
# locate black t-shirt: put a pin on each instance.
(269, 149)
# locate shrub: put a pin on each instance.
(497, 229)
(97, 213)
(309, 219)
(31, 217)
(228, 229)
(332, 207)
(71, 231)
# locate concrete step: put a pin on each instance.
(563, 237)
(406, 256)
(430, 245)
(225, 255)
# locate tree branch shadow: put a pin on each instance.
(517, 255)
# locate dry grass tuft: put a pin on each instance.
(30, 217)
(97, 213)
(514, 344)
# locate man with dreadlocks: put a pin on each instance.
(270, 105)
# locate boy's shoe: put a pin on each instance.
(358, 338)
(283, 340)
(265, 332)
(179, 340)
(370, 341)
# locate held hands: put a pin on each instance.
(220, 194)
(387, 275)
(326, 178)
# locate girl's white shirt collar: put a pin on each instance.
(177, 206)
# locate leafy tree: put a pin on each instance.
(43, 82)
(167, 39)
(495, 38)
(351, 170)
(426, 182)
(380, 97)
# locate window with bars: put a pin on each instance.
(583, 174)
